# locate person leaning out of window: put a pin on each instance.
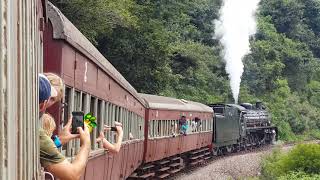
(113, 148)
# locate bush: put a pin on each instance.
(304, 158)
(299, 176)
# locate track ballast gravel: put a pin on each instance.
(235, 166)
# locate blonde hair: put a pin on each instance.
(48, 124)
(57, 83)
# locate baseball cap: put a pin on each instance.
(45, 89)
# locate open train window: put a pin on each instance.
(106, 119)
(141, 128)
(66, 112)
(100, 117)
(93, 110)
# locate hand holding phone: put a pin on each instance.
(113, 129)
(77, 121)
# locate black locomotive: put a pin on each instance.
(241, 127)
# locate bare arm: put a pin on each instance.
(114, 148)
(73, 171)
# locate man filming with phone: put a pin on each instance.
(113, 148)
(50, 157)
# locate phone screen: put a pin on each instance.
(77, 121)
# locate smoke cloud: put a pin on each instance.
(235, 26)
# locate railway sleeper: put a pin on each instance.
(143, 176)
(199, 151)
(175, 170)
(162, 176)
(196, 157)
(196, 162)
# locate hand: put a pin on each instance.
(118, 127)
(106, 128)
(100, 138)
(84, 136)
(65, 135)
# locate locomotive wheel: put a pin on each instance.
(215, 151)
(229, 149)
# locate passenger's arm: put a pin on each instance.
(65, 135)
(113, 148)
(73, 171)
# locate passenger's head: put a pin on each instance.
(58, 85)
(45, 92)
(48, 124)
(183, 117)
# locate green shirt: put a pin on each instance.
(49, 153)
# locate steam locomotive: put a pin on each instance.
(239, 127)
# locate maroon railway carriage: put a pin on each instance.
(166, 151)
(94, 85)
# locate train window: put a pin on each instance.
(159, 133)
(77, 100)
(133, 128)
(112, 114)
(164, 127)
(207, 125)
(130, 122)
(141, 128)
(116, 113)
(108, 119)
(83, 102)
(66, 111)
(126, 125)
(100, 118)
(77, 107)
(132, 125)
(155, 128)
(206, 128)
(123, 120)
(155, 131)
(111, 118)
(165, 122)
(167, 127)
(93, 110)
(105, 119)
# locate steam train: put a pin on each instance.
(239, 127)
(152, 146)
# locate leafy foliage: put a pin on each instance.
(303, 161)
(283, 66)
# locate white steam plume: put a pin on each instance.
(234, 28)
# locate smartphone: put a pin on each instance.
(77, 121)
(113, 129)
